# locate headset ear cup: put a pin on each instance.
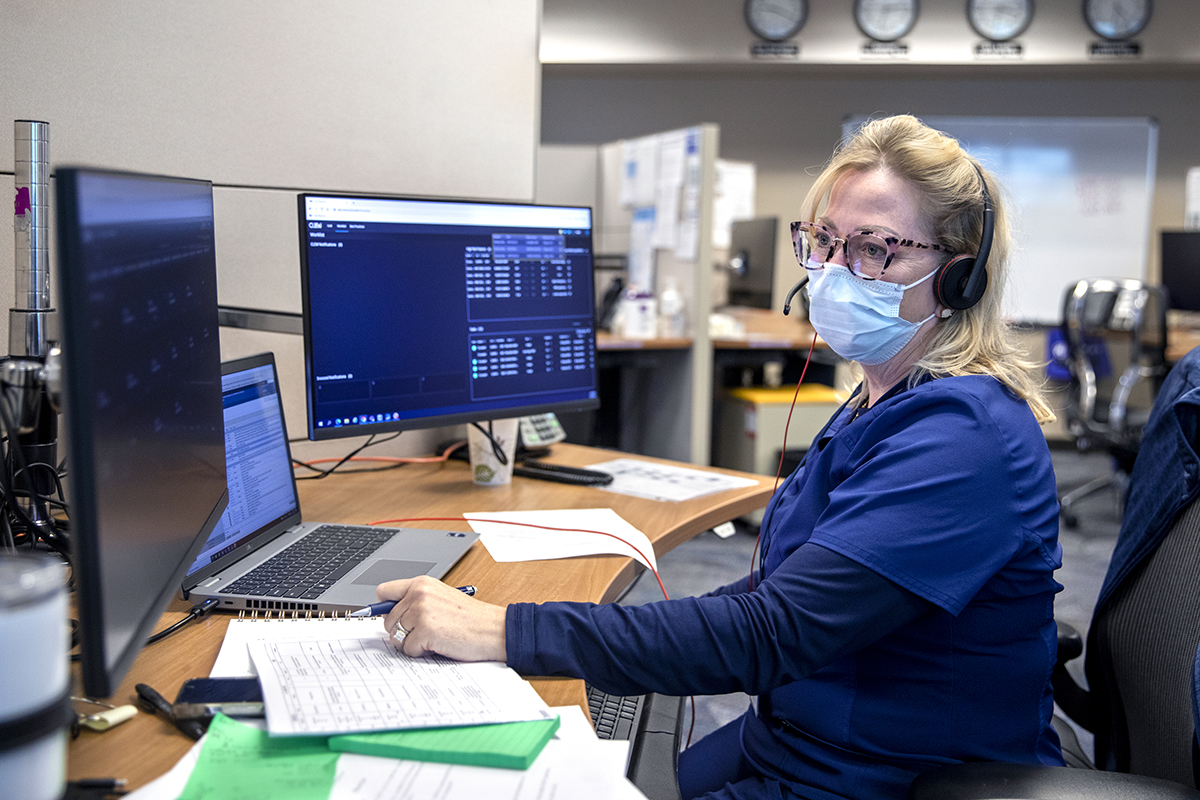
(950, 283)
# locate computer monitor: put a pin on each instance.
(1180, 252)
(422, 313)
(142, 400)
(752, 261)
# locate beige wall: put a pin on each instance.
(713, 32)
(268, 99)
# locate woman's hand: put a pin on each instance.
(431, 617)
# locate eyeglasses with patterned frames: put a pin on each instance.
(867, 253)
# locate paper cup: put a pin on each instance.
(486, 469)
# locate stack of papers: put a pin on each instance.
(324, 687)
(235, 761)
(553, 752)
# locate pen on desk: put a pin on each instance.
(154, 701)
(381, 608)
(102, 784)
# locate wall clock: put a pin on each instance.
(1116, 19)
(886, 20)
(776, 20)
(999, 20)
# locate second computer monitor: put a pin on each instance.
(752, 262)
(422, 313)
(142, 373)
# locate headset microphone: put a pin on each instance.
(787, 303)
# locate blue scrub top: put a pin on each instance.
(945, 490)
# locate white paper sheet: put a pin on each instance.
(234, 659)
(641, 250)
(663, 482)
(326, 687)
(519, 542)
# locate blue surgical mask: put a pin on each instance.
(860, 319)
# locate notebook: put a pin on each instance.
(262, 555)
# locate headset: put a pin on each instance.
(960, 282)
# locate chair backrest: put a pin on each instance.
(1131, 316)
(1146, 638)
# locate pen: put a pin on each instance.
(379, 609)
(153, 701)
(103, 784)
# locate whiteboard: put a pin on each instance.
(1078, 191)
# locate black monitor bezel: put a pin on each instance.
(99, 679)
(1174, 246)
(419, 423)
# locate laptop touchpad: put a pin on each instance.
(386, 570)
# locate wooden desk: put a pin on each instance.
(1181, 341)
(767, 329)
(606, 342)
(147, 746)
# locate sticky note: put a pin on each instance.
(239, 762)
(513, 745)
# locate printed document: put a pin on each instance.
(331, 686)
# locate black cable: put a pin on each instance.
(196, 612)
(14, 449)
(321, 473)
(497, 450)
(6, 534)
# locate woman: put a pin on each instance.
(902, 616)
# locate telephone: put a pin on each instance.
(541, 430)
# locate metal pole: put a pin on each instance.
(28, 319)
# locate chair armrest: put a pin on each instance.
(1070, 642)
(991, 781)
(1073, 699)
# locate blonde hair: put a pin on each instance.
(973, 341)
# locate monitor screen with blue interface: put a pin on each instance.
(422, 313)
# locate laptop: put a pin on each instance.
(262, 555)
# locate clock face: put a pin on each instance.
(776, 20)
(1116, 19)
(885, 20)
(999, 20)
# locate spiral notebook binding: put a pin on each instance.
(255, 614)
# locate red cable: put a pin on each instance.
(782, 451)
(531, 525)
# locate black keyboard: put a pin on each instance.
(614, 717)
(310, 566)
(562, 474)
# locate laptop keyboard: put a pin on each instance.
(310, 566)
(614, 717)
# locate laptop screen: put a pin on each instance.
(262, 490)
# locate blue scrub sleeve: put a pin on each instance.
(817, 606)
(740, 586)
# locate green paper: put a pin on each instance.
(512, 744)
(238, 762)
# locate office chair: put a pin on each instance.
(1143, 655)
(1126, 315)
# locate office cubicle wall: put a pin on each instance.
(667, 410)
(269, 99)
